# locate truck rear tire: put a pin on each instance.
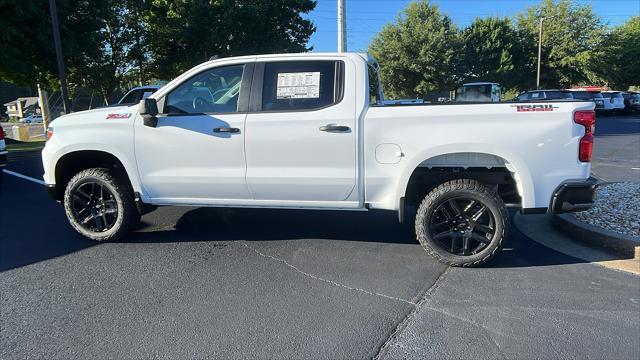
(99, 205)
(462, 223)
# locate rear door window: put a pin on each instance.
(301, 85)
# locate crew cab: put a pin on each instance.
(312, 131)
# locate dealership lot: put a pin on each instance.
(616, 155)
(198, 282)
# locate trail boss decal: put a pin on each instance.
(118, 116)
(535, 107)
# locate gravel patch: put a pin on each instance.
(617, 208)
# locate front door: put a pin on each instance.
(301, 133)
(196, 152)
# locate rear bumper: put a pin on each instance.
(574, 196)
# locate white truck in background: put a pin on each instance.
(311, 131)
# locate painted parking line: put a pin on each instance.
(37, 181)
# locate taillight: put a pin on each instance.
(49, 133)
(588, 120)
(1, 133)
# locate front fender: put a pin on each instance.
(52, 153)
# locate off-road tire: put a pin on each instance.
(467, 188)
(127, 215)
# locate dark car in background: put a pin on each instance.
(535, 95)
(594, 96)
(138, 93)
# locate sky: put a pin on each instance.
(365, 18)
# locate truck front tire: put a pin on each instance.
(462, 223)
(99, 205)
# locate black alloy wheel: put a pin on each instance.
(462, 226)
(100, 204)
(462, 222)
(94, 207)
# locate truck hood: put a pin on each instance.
(98, 115)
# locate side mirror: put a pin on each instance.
(148, 109)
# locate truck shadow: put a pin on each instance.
(211, 224)
(215, 224)
(53, 237)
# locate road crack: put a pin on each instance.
(403, 324)
(424, 303)
(331, 282)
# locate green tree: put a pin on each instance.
(183, 33)
(491, 52)
(572, 42)
(107, 44)
(26, 39)
(122, 45)
(620, 66)
(417, 53)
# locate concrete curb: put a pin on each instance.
(539, 228)
(624, 245)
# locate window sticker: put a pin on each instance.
(299, 85)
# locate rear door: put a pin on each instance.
(301, 132)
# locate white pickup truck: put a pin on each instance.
(311, 131)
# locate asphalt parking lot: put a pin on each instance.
(616, 153)
(198, 282)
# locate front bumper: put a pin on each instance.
(3, 158)
(52, 192)
(574, 196)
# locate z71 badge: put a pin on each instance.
(534, 107)
(119, 116)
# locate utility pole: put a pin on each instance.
(540, 49)
(342, 26)
(44, 108)
(58, 46)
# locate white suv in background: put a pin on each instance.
(613, 101)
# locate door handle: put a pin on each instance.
(335, 128)
(226, 130)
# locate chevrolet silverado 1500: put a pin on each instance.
(312, 131)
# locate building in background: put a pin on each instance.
(22, 107)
